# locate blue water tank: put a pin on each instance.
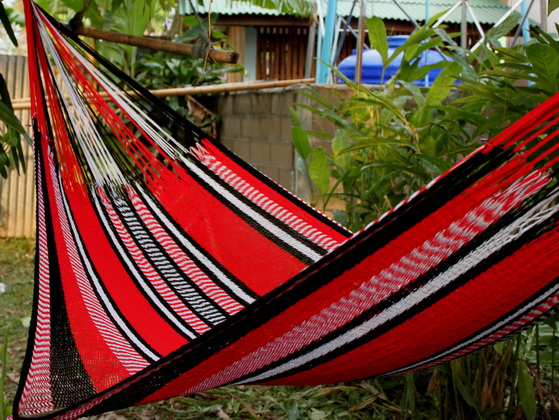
(372, 63)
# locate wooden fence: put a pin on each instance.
(282, 51)
(17, 193)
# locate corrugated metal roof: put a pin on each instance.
(226, 7)
(486, 11)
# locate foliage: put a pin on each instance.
(132, 17)
(383, 144)
(16, 274)
(164, 70)
(11, 153)
(5, 409)
(391, 140)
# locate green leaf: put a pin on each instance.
(377, 36)
(553, 4)
(443, 84)
(76, 5)
(499, 347)
(460, 386)
(421, 116)
(505, 28)
(190, 21)
(545, 65)
(301, 141)
(415, 91)
(8, 116)
(4, 94)
(442, 165)
(296, 117)
(340, 144)
(138, 19)
(7, 25)
(318, 170)
(526, 391)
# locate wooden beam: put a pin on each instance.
(155, 44)
(24, 103)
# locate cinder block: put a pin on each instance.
(250, 128)
(282, 154)
(271, 172)
(286, 179)
(227, 142)
(270, 128)
(286, 124)
(259, 153)
(242, 104)
(241, 148)
(230, 126)
(225, 104)
(262, 103)
(281, 101)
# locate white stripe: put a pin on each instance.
(210, 266)
(130, 335)
(132, 267)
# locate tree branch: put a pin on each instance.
(155, 44)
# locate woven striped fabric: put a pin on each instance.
(166, 265)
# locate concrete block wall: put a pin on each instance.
(256, 125)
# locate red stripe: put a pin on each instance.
(240, 248)
(470, 308)
(133, 305)
(302, 211)
(91, 346)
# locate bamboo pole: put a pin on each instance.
(24, 103)
(155, 44)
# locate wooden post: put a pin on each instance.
(155, 44)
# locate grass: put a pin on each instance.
(16, 276)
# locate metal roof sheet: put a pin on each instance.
(226, 7)
(486, 11)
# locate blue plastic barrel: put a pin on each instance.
(372, 63)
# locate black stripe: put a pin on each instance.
(208, 308)
(143, 192)
(125, 267)
(281, 191)
(288, 230)
(85, 255)
(482, 333)
(66, 367)
(182, 130)
(275, 240)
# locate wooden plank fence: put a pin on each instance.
(281, 52)
(17, 193)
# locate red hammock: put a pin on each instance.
(167, 266)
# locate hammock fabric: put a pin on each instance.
(168, 266)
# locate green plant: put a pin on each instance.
(5, 410)
(11, 153)
(164, 70)
(386, 142)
